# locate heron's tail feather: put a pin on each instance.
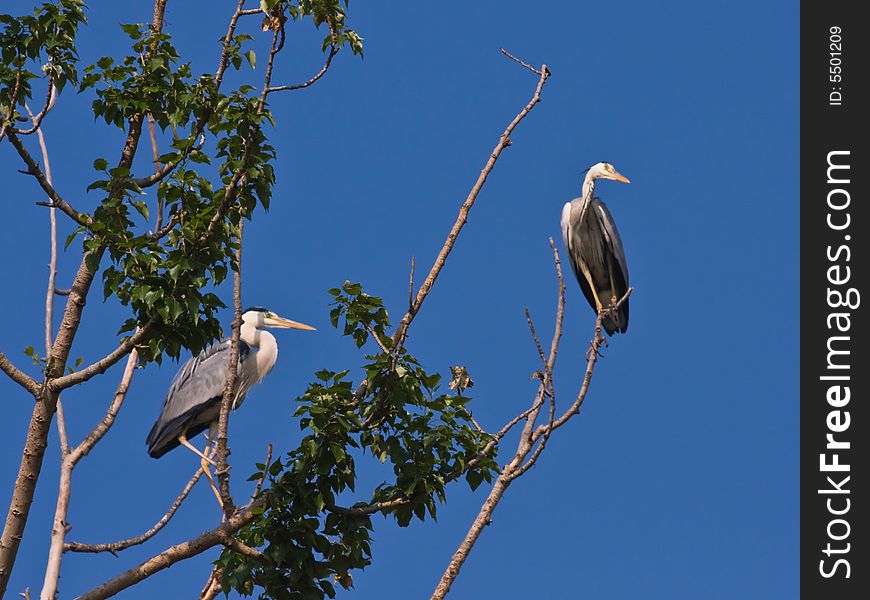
(617, 322)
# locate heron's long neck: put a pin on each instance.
(588, 188)
(588, 191)
(267, 349)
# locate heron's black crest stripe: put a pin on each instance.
(255, 309)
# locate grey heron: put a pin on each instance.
(193, 402)
(595, 249)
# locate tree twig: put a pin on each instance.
(526, 65)
(44, 408)
(333, 50)
(68, 464)
(114, 547)
(56, 200)
(18, 376)
(102, 365)
(230, 385)
(503, 142)
(262, 478)
(524, 447)
(50, 99)
(175, 554)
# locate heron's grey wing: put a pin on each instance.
(194, 394)
(608, 226)
(572, 236)
(612, 246)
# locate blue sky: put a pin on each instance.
(679, 479)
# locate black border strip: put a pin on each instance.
(835, 223)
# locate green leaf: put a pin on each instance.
(101, 164)
(252, 58)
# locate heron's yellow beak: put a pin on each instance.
(281, 322)
(619, 177)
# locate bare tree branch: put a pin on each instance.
(333, 50)
(369, 509)
(46, 398)
(175, 554)
(50, 99)
(230, 385)
(524, 447)
(16, 89)
(34, 170)
(18, 376)
(52, 265)
(102, 365)
(537, 72)
(114, 547)
(262, 478)
(68, 464)
(212, 586)
(592, 357)
(503, 142)
(223, 63)
(155, 154)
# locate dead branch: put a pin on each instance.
(524, 447)
(526, 65)
(503, 142)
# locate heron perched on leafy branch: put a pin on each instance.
(193, 402)
(595, 249)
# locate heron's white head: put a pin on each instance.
(258, 317)
(604, 170)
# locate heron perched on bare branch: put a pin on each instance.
(595, 249)
(193, 402)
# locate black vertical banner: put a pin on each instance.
(835, 342)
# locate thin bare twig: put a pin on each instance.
(175, 554)
(102, 365)
(503, 142)
(50, 99)
(333, 50)
(378, 340)
(411, 285)
(114, 547)
(155, 155)
(230, 385)
(34, 170)
(52, 267)
(68, 464)
(593, 355)
(524, 447)
(526, 65)
(260, 481)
